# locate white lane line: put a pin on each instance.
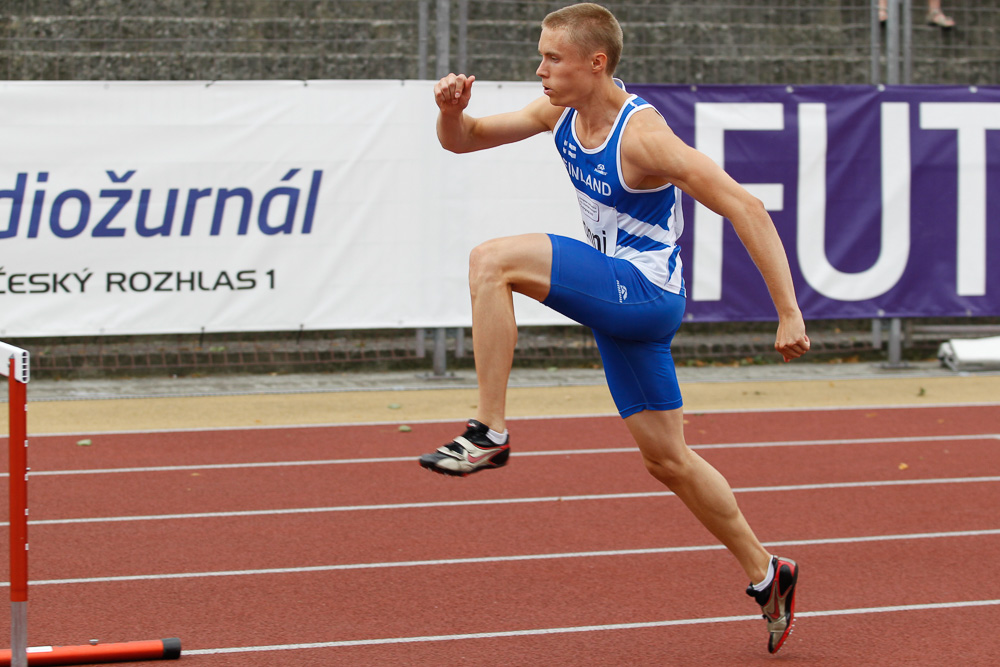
(503, 501)
(555, 452)
(602, 415)
(505, 559)
(591, 628)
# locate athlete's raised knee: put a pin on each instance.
(484, 264)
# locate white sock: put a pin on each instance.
(767, 579)
(497, 438)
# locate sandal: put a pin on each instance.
(938, 19)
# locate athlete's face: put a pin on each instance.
(564, 71)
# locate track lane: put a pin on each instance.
(520, 596)
(574, 588)
(899, 638)
(316, 540)
(182, 491)
(352, 441)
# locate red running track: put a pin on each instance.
(330, 546)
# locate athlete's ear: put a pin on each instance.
(599, 62)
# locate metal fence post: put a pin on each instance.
(899, 42)
(907, 41)
(895, 345)
(440, 352)
(442, 20)
(423, 18)
(463, 36)
(440, 357)
(876, 65)
(421, 342)
(892, 43)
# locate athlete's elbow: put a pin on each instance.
(447, 143)
(456, 148)
(753, 210)
(454, 144)
(456, 137)
(754, 206)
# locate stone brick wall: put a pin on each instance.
(711, 41)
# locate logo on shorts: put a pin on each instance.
(622, 292)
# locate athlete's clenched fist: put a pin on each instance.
(452, 93)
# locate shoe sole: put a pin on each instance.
(430, 464)
(791, 613)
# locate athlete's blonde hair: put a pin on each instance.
(592, 27)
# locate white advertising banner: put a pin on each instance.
(181, 207)
(178, 207)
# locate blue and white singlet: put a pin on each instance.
(639, 226)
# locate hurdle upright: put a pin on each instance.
(17, 370)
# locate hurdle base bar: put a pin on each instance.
(154, 649)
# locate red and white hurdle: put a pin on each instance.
(18, 371)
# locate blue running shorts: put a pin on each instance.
(632, 319)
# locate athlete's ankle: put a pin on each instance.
(494, 424)
(497, 438)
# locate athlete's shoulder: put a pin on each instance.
(647, 118)
(645, 129)
(545, 112)
(649, 147)
(647, 125)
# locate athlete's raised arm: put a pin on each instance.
(459, 132)
(651, 149)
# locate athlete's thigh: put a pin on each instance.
(583, 285)
(641, 374)
(610, 295)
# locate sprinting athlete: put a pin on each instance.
(624, 282)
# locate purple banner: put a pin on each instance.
(887, 199)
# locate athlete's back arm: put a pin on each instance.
(651, 149)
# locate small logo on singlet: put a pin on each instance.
(622, 293)
(600, 170)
